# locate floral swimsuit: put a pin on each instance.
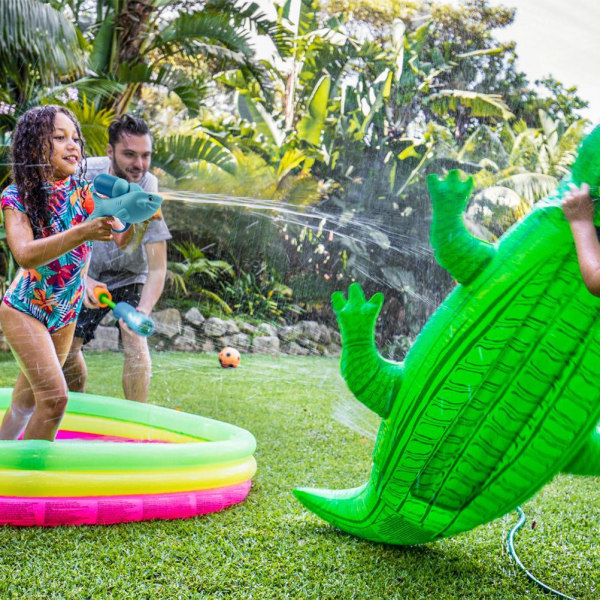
(53, 293)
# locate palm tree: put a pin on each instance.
(146, 42)
(38, 46)
(527, 165)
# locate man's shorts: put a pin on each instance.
(89, 318)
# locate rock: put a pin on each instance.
(108, 319)
(214, 327)
(266, 329)
(159, 343)
(207, 346)
(294, 349)
(4, 347)
(308, 343)
(287, 333)
(325, 336)
(191, 332)
(106, 338)
(231, 328)
(268, 344)
(186, 342)
(239, 341)
(168, 322)
(246, 327)
(194, 316)
(334, 350)
(309, 329)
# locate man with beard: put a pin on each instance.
(136, 278)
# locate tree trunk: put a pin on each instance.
(288, 101)
(132, 22)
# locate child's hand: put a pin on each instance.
(99, 229)
(577, 204)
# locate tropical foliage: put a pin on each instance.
(189, 276)
(318, 147)
(260, 296)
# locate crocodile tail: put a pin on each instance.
(346, 509)
(586, 168)
(361, 512)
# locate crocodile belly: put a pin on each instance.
(497, 405)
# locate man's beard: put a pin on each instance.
(118, 172)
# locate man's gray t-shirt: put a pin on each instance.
(110, 265)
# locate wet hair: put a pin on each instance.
(129, 125)
(31, 169)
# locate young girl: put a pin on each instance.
(45, 213)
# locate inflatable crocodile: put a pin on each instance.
(500, 391)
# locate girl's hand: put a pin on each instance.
(99, 229)
(577, 204)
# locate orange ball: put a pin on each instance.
(229, 357)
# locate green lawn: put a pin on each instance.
(270, 546)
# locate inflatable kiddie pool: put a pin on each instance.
(115, 461)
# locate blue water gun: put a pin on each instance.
(136, 321)
(128, 202)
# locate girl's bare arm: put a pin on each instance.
(31, 253)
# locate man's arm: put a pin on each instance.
(138, 230)
(157, 270)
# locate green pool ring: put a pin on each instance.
(115, 461)
(182, 441)
(499, 393)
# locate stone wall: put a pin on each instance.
(191, 332)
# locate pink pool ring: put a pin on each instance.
(116, 461)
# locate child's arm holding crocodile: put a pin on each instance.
(579, 211)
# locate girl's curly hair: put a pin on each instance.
(31, 153)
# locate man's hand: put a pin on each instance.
(89, 299)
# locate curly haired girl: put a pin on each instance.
(45, 212)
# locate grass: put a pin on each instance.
(270, 546)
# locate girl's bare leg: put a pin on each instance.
(40, 356)
(20, 410)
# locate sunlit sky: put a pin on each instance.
(561, 38)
